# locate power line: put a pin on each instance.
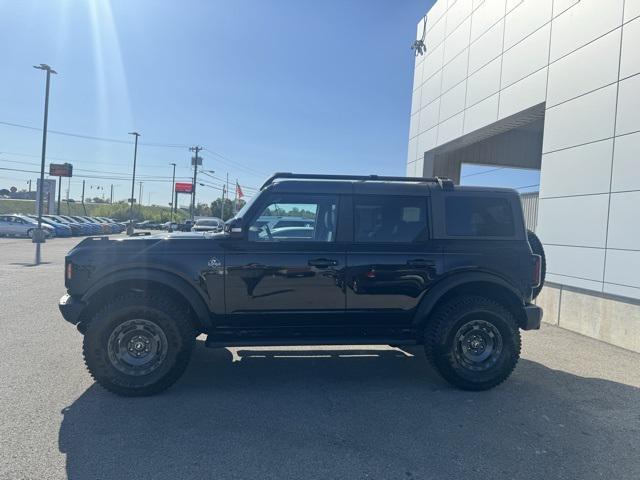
(483, 172)
(222, 157)
(91, 137)
(527, 186)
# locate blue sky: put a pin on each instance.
(289, 85)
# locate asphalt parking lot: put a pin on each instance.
(570, 411)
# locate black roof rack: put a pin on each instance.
(445, 183)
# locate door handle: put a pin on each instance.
(322, 262)
(421, 263)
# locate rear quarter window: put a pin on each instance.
(469, 216)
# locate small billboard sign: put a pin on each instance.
(183, 187)
(60, 169)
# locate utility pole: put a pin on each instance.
(140, 200)
(29, 186)
(197, 150)
(68, 192)
(83, 207)
(174, 196)
(39, 238)
(59, 192)
(111, 197)
(226, 189)
(133, 183)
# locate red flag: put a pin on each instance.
(239, 193)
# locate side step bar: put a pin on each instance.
(217, 342)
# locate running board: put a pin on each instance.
(218, 342)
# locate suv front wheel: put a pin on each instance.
(138, 344)
(473, 342)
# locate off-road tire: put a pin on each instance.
(538, 249)
(443, 350)
(171, 318)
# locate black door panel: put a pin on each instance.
(284, 288)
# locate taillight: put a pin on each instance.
(536, 274)
(68, 271)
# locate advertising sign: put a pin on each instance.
(60, 169)
(184, 187)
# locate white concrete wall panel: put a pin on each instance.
(626, 164)
(450, 129)
(436, 34)
(559, 6)
(581, 263)
(413, 125)
(432, 62)
(427, 140)
(526, 57)
(630, 58)
(558, 176)
(455, 71)
(452, 102)
(431, 89)
(412, 151)
(436, 12)
(628, 120)
(525, 19)
(523, 94)
(624, 222)
(417, 76)
(429, 116)
(585, 119)
(457, 13)
(622, 268)
(583, 23)
(576, 221)
(631, 9)
(486, 48)
(486, 16)
(457, 41)
(484, 82)
(415, 101)
(481, 114)
(588, 68)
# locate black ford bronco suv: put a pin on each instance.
(374, 260)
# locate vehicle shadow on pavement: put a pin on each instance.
(367, 413)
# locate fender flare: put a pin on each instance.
(167, 279)
(441, 288)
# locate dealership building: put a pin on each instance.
(551, 85)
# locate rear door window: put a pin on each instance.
(390, 219)
(469, 216)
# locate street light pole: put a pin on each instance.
(195, 149)
(133, 183)
(40, 235)
(173, 191)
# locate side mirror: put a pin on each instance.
(234, 228)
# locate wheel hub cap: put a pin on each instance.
(137, 347)
(478, 345)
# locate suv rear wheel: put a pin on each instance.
(138, 344)
(473, 342)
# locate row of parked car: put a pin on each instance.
(18, 225)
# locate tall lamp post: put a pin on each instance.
(39, 236)
(173, 192)
(133, 183)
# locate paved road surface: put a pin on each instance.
(570, 411)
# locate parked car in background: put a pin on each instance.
(208, 224)
(82, 227)
(60, 229)
(95, 229)
(170, 226)
(76, 230)
(185, 227)
(22, 226)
